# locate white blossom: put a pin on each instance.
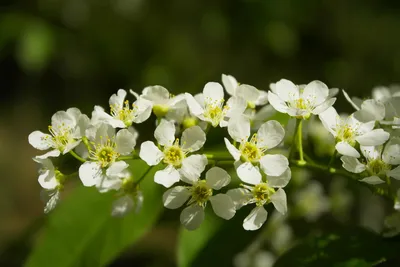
(350, 131)
(379, 162)
(252, 95)
(298, 101)
(161, 100)
(103, 168)
(252, 152)
(209, 106)
(174, 153)
(261, 193)
(122, 115)
(197, 195)
(66, 131)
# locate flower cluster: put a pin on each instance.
(106, 145)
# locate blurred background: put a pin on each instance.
(56, 54)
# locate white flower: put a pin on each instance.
(258, 117)
(66, 131)
(122, 115)
(349, 131)
(174, 154)
(200, 192)
(103, 169)
(130, 196)
(261, 193)
(252, 95)
(50, 182)
(251, 153)
(162, 101)
(379, 163)
(209, 106)
(314, 98)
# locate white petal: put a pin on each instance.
(89, 173)
(333, 92)
(143, 110)
(193, 139)
(248, 173)
(248, 92)
(279, 201)
(395, 173)
(156, 94)
(192, 217)
(53, 153)
(347, 150)
(150, 153)
(373, 138)
(373, 110)
(229, 83)
(117, 100)
(352, 164)
(372, 180)
(125, 142)
(286, 90)
(362, 127)
(391, 153)
(355, 106)
(192, 167)
(194, 106)
(262, 98)
(100, 116)
(62, 119)
(281, 180)
(213, 92)
(103, 133)
(167, 177)
(116, 168)
(255, 219)
(223, 206)
(236, 106)
(316, 92)
(47, 177)
(175, 197)
(277, 103)
(274, 165)
(232, 149)
(239, 196)
(329, 119)
(239, 128)
(122, 206)
(217, 178)
(53, 199)
(106, 183)
(40, 140)
(371, 152)
(270, 134)
(165, 133)
(324, 106)
(71, 145)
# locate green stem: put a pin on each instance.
(86, 143)
(134, 156)
(144, 175)
(331, 170)
(221, 157)
(332, 160)
(300, 138)
(77, 156)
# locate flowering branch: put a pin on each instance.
(367, 141)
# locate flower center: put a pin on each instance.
(174, 155)
(215, 112)
(378, 167)
(249, 150)
(61, 136)
(201, 192)
(105, 153)
(262, 193)
(160, 110)
(346, 133)
(301, 103)
(124, 113)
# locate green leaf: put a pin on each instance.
(215, 243)
(81, 231)
(351, 246)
